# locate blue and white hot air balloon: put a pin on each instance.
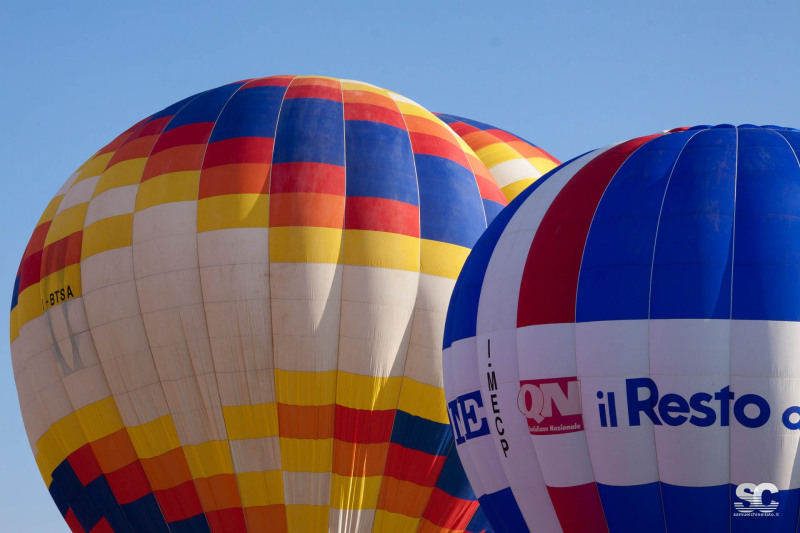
(622, 350)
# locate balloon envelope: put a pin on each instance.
(230, 318)
(621, 350)
(514, 162)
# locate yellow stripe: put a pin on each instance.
(542, 164)
(128, 172)
(154, 438)
(251, 421)
(387, 522)
(209, 458)
(93, 167)
(494, 154)
(408, 108)
(305, 388)
(50, 210)
(29, 305)
(260, 488)
(307, 518)
(512, 190)
(422, 400)
(233, 211)
(381, 249)
(442, 259)
(302, 244)
(13, 323)
(60, 286)
(367, 392)
(107, 234)
(167, 188)
(306, 455)
(355, 492)
(357, 86)
(66, 223)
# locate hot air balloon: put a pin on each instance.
(622, 348)
(514, 162)
(229, 318)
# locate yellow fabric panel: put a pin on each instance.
(233, 211)
(408, 108)
(307, 518)
(306, 455)
(128, 172)
(67, 222)
(50, 210)
(367, 392)
(100, 419)
(251, 421)
(357, 86)
(305, 388)
(386, 522)
(441, 258)
(513, 189)
(93, 167)
(423, 400)
(154, 438)
(494, 154)
(29, 306)
(166, 188)
(542, 164)
(209, 458)
(355, 492)
(68, 277)
(381, 249)
(261, 488)
(107, 234)
(13, 324)
(303, 244)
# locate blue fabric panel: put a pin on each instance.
(15, 293)
(310, 130)
(59, 498)
(449, 201)
(103, 498)
(76, 496)
(462, 313)
(696, 509)
(380, 162)
(174, 108)
(491, 209)
(145, 515)
(767, 239)
(692, 261)
(420, 434)
(632, 509)
(614, 281)
(782, 520)
(250, 113)
(204, 108)
(793, 137)
(195, 524)
(453, 479)
(479, 523)
(503, 512)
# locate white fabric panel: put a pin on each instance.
(351, 520)
(307, 488)
(513, 170)
(608, 352)
(546, 351)
(687, 357)
(64, 188)
(113, 202)
(424, 359)
(564, 459)
(377, 310)
(79, 194)
(306, 302)
(256, 455)
(234, 246)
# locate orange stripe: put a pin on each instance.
(418, 124)
(168, 470)
(480, 139)
(266, 518)
(114, 451)
(359, 460)
(403, 497)
(37, 240)
(218, 492)
(177, 159)
(306, 209)
(134, 149)
(305, 421)
(62, 253)
(241, 178)
(355, 96)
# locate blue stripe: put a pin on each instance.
(692, 261)
(767, 245)
(195, 524)
(503, 512)
(15, 293)
(697, 509)
(491, 209)
(204, 108)
(420, 434)
(75, 496)
(103, 498)
(632, 509)
(450, 205)
(310, 130)
(172, 109)
(479, 523)
(144, 514)
(250, 113)
(453, 479)
(614, 281)
(380, 162)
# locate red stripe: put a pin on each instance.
(30, 271)
(578, 508)
(239, 150)
(413, 465)
(380, 214)
(364, 427)
(62, 253)
(102, 527)
(84, 464)
(423, 143)
(462, 128)
(307, 177)
(73, 523)
(227, 521)
(37, 239)
(324, 92)
(179, 503)
(374, 113)
(272, 81)
(195, 133)
(550, 278)
(503, 135)
(449, 512)
(129, 483)
(121, 138)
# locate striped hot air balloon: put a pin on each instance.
(229, 319)
(622, 349)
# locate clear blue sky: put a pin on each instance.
(568, 76)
